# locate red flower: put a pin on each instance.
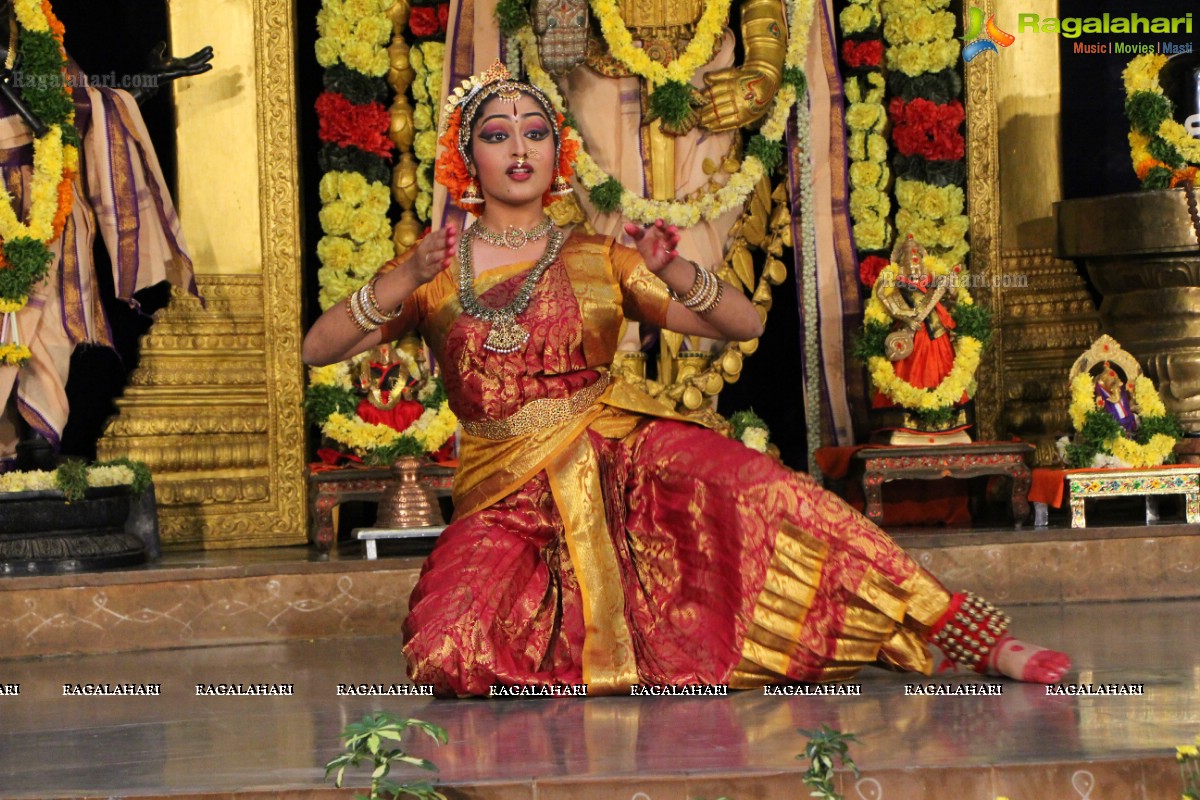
(347, 125)
(867, 53)
(922, 128)
(869, 269)
(423, 20)
(443, 17)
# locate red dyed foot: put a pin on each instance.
(1023, 661)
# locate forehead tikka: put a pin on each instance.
(495, 81)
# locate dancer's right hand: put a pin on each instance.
(432, 254)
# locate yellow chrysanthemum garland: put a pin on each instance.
(426, 60)
(1141, 78)
(698, 53)
(1154, 452)
(357, 238)
(967, 352)
(429, 432)
(55, 163)
(870, 204)
(730, 196)
(356, 33)
(920, 40)
(353, 217)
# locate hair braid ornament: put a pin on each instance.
(453, 168)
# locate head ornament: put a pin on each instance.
(462, 105)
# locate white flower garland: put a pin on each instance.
(711, 206)
(812, 334)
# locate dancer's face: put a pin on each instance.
(512, 147)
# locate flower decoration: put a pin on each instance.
(866, 127)
(921, 128)
(74, 478)
(751, 430)
(426, 60)
(926, 117)
(607, 193)
(1164, 154)
(25, 254)
(867, 53)
(332, 402)
(353, 127)
(869, 269)
(971, 334)
(1100, 439)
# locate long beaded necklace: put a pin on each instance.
(505, 336)
(513, 238)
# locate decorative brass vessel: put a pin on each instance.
(408, 503)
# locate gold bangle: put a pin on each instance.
(716, 300)
(356, 315)
(705, 296)
(372, 308)
(696, 288)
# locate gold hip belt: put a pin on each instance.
(538, 414)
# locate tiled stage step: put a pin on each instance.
(226, 597)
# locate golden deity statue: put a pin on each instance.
(678, 159)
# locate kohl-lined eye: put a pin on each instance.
(492, 135)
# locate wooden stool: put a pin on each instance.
(1148, 483)
(883, 464)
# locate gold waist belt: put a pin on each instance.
(538, 414)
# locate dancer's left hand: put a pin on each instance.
(657, 243)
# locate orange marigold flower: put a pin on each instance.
(1145, 165)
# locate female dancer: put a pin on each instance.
(598, 536)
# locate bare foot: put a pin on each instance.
(1013, 658)
(1027, 662)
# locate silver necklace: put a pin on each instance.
(513, 238)
(505, 336)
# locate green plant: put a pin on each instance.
(368, 741)
(823, 747)
(1189, 768)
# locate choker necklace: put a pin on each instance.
(513, 238)
(505, 336)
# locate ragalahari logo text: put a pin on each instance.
(980, 37)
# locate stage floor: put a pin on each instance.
(1023, 744)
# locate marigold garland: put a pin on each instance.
(1164, 154)
(710, 206)
(376, 443)
(426, 61)
(671, 79)
(25, 254)
(1159, 446)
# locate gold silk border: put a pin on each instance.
(870, 628)
(609, 666)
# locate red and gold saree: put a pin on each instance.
(620, 543)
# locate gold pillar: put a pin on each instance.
(1042, 314)
(214, 407)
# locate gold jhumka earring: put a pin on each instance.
(471, 195)
(560, 186)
